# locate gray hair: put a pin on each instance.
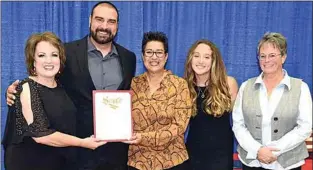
(277, 39)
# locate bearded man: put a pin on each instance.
(93, 63)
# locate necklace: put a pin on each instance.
(201, 93)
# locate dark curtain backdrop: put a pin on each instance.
(235, 27)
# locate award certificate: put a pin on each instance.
(112, 115)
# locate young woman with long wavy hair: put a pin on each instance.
(210, 137)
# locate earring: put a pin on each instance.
(34, 71)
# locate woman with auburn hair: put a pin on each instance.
(40, 128)
(210, 137)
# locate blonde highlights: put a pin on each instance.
(218, 98)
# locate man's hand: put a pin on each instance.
(135, 139)
(10, 93)
(266, 156)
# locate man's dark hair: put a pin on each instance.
(108, 3)
(154, 36)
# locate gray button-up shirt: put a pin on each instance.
(105, 71)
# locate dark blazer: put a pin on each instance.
(78, 84)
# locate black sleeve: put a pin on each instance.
(40, 125)
(16, 127)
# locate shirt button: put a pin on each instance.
(275, 118)
(275, 131)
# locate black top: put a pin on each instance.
(210, 140)
(52, 111)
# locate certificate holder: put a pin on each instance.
(112, 118)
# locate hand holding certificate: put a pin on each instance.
(112, 115)
(135, 139)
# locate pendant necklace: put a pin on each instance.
(201, 93)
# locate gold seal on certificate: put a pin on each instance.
(112, 115)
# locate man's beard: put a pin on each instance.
(102, 39)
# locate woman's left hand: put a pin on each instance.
(266, 156)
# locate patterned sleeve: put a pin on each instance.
(182, 113)
(40, 125)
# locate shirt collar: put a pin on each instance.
(164, 82)
(285, 81)
(92, 47)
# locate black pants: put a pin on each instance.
(111, 167)
(184, 166)
(244, 167)
(91, 160)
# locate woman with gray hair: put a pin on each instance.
(272, 116)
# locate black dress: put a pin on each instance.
(52, 111)
(210, 140)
